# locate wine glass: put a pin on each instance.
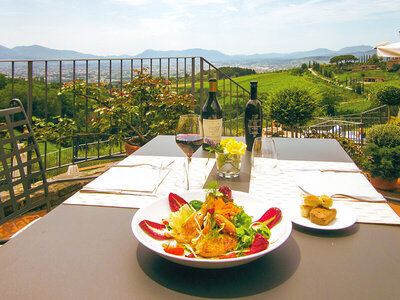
(189, 138)
(263, 156)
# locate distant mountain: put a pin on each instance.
(40, 52)
(216, 56)
(213, 56)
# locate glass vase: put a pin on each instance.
(228, 165)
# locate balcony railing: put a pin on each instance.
(41, 76)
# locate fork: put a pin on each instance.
(144, 164)
(358, 198)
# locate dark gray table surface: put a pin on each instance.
(86, 252)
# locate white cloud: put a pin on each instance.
(232, 8)
(131, 2)
(231, 26)
(195, 2)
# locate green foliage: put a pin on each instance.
(395, 121)
(235, 72)
(389, 95)
(374, 60)
(343, 58)
(383, 152)
(292, 107)
(145, 106)
(384, 135)
(329, 103)
(54, 131)
(395, 68)
(300, 71)
(3, 81)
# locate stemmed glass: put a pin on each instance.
(188, 136)
(263, 156)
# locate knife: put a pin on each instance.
(115, 192)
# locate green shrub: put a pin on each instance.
(389, 95)
(395, 121)
(385, 135)
(292, 107)
(383, 152)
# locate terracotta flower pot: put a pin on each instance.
(130, 148)
(383, 184)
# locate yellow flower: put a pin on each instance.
(226, 141)
(234, 147)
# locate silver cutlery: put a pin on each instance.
(143, 164)
(115, 192)
(332, 170)
(355, 197)
(341, 171)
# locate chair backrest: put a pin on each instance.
(22, 175)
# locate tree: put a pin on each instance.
(373, 60)
(389, 95)
(292, 107)
(3, 81)
(343, 58)
(145, 106)
(329, 103)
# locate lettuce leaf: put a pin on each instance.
(178, 218)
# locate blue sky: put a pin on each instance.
(113, 27)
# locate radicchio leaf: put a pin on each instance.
(175, 202)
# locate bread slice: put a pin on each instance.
(312, 200)
(322, 216)
(326, 201)
(305, 210)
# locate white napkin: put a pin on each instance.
(329, 183)
(139, 179)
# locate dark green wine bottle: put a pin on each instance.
(211, 115)
(252, 117)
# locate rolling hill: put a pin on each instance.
(214, 56)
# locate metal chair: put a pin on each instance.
(22, 174)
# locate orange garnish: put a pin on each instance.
(228, 209)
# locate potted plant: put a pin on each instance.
(382, 161)
(135, 112)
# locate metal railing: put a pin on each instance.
(378, 115)
(350, 130)
(37, 82)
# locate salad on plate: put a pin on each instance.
(215, 228)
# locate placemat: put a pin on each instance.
(200, 168)
(280, 186)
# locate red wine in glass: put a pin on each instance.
(189, 137)
(189, 143)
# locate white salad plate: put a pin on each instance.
(158, 210)
(345, 217)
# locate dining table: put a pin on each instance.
(89, 251)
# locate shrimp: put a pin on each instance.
(226, 225)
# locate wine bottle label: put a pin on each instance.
(254, 125)
(212, 129)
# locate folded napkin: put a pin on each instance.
(329, 183)
(139, 179)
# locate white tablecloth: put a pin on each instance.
(281, 187)
(200, 168)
